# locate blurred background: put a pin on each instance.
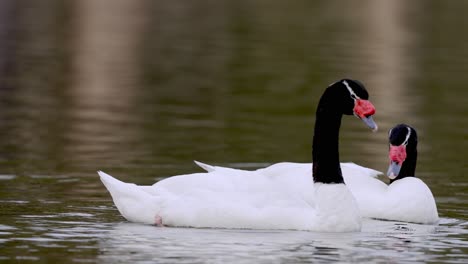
(140, 89)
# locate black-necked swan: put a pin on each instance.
(227, 199)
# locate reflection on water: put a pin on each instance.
(266, 246)
(80, 237)
(142, 88)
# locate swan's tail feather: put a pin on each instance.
(111, 183)
(351, 168)
(132, 201)
(204, 166)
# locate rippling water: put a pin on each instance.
(141, 88)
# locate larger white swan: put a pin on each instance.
(228, 198)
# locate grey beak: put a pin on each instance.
(369, 121)
(393, 170)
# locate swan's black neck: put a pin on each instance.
(326, 160)
(408, 167)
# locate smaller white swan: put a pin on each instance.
(406, 198)
(229, 198)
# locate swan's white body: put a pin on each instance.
(408, 199)
(277, 197)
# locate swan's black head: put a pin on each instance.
(403, 141)
(353, 100)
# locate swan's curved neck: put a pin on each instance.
(326, 160)
(408, 167)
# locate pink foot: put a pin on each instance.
(158, 221)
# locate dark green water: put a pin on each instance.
(139, 89)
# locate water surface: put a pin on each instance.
(139, 89)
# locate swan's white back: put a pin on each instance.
(227, 198)
(407, 199)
